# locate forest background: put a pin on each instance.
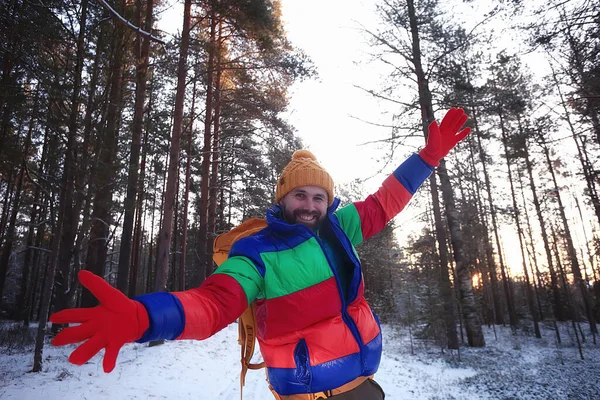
(125, 149)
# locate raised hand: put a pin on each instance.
(115, 321)
(443, 138)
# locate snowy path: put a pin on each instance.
(509, 368)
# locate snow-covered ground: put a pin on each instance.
(509, 367)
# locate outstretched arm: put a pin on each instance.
(192, 314)
(397, 189)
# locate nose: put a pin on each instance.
(310, 205)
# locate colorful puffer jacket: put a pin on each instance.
(311, 336)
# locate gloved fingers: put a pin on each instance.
(450, 117)
(75, 334)
(110, 356)
(433, 133)
(454, 120)
(87, 350)
(462, 134)
(460, 122)
(73, 315)
(110, 297)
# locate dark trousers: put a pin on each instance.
(368, 390)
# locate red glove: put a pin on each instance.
(116, 321)
(443, 138)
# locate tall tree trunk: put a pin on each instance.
(16, 204)
(516, 216)
(9, 58)
(215, 153)
(577, 68)
(507, 290)
(35, 221)
(570, 305)
(32, 256)
(142, 52)
(475, 140)
(590, 253)
(150, 275)
(87, 164)
(186, 193)
(8, 194)
(558, 313)
(136, 270)
(138, 231)
(586, 167)
(57, 226)
(164, 237)
(543, 230)
(471, 316)
(64, 274)
(426, 118)
(48, 284)
(206, 150)
(105, 173)
(530, 247)
(572, 254)
(39, 258)
(172, 283)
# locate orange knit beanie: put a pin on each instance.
(303, 170)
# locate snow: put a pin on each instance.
(509, 367)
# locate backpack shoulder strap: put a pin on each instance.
(222, 243)
(246, 322)
(246, 339)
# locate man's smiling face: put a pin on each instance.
(305, 205)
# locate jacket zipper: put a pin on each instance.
(345, 316)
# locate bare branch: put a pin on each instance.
(380, 96)
(135, 28)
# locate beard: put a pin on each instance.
(311, 219)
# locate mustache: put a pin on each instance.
(306, 212)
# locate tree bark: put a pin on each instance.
(16, 204)
(105, 173)
(475, 140)
(586, 167)
(206, 150)
(186, 193)
(23, 304)
(164, 238)
(63, 278)
(138, 231)
(471, 316)
(215, 154)
(572, 254)
(57, 226)
(570, 305)
(530, 246)
(142, 52)
(7, 68)
(516, 216)
(507, 291)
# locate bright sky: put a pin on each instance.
(323, 111)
